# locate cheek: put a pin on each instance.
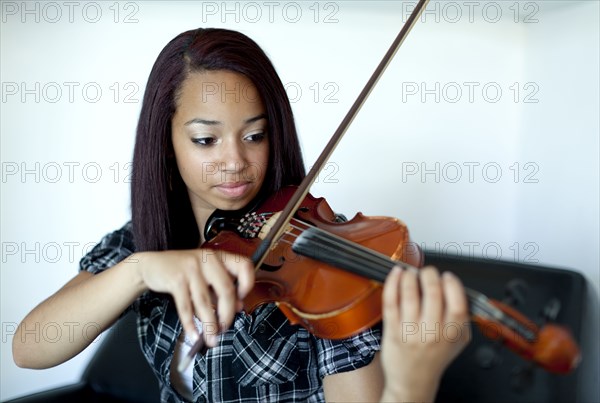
(262, 163)
(192, 166)
(257, 163)
(254, 171)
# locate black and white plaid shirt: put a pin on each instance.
(261, 358)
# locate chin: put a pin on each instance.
(232, 205)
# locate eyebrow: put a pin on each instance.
(207, 122)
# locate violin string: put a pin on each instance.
(322, 248)
(352, 263)
(344, 254)
(480, 304)
(375, 261)
(376, 266)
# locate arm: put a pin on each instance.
(83, 308)
(94, 302)
(361, 385)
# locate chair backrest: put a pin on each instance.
(119, 368)
(488, 372)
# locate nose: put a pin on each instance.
(233, 158)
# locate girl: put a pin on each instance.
(216, 131)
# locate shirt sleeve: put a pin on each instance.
(112, 249)
(336, 356)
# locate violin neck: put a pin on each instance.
(354, 258)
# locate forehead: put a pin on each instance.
(219, 90)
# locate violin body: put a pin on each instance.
(335, 290)
(329, 302)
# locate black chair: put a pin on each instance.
(117, 373)
(488, 372)
(485, 372)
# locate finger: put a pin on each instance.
(410, 300)
(433, 300)
(204, 308)
(457, 307)
(242, 269)
(391, 297)
(224, 291)
(185, 311)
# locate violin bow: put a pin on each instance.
(281, 224)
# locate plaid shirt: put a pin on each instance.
(261, 358)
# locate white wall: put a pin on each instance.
(64, 157)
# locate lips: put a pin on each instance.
(234, 189)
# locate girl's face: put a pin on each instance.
(219, 134)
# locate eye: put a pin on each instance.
(204, 141)
(255, 137)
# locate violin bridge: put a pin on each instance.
(268, 225)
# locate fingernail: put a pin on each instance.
(194, 337)
(448, 274)
(185, 362)
(212, 340)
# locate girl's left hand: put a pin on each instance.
(422, 331)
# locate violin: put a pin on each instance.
(327, 275)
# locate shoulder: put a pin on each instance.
(111, 249)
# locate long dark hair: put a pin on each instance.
(161, 212)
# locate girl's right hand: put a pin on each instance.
(198, 280)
